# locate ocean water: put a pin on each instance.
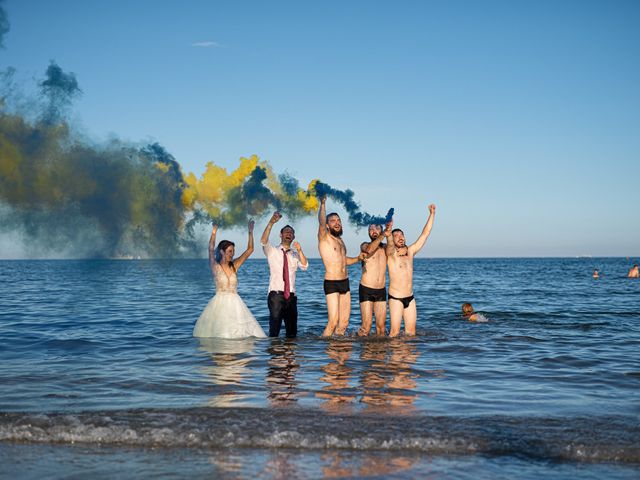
(100, 376)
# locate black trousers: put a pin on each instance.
(281, 309)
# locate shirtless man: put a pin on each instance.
(400, 263)
(336, 279)
(633, 272)
(372, 291)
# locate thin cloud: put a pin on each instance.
(206, 44)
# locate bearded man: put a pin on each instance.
(336, 278)
(372, 291)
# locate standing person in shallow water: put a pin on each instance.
(336, 279)
(282, 300)
(402, 305)
(372, 291)
(226, 315)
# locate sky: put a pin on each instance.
(519, 120)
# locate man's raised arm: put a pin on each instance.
(417, 246)
(267, 231)
(322, 218)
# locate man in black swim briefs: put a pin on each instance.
(336, 279)
(402, 305)
(372, 291)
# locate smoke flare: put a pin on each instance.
(345, 197)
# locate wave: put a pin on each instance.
(582, 439)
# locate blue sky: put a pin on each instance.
(520, 120)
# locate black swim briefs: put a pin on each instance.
(336, 286)
(372, 294)
(406, 301)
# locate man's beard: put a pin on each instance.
(336, 233)
(373, 237)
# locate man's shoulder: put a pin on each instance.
(267, 247)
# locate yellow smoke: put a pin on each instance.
(211, 192)
(308, 199)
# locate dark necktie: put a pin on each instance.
(285, 275)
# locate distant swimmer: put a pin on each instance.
(633, 272)
(596, 274)
(402, 305)
(470, 314)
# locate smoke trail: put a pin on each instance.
(345, 197)
(4, 24)
(253, 190)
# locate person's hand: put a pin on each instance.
(251, 225)
(432, 209)
(323, 199)
(275, 217)
(362, 257)
(387, 230)
(214, 228)
(297, 246)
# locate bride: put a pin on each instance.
(226, 315)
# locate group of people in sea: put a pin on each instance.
(227, 316)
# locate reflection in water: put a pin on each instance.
(281, 370)
(386, 374)
(290, 464)
(229, 369)
(282, 465)
(339, 464)
(338, 394)
(228, 464)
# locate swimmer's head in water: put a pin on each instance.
(334, 224)
(398, 238)
(375, 231)
(467, 310)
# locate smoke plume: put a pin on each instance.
(345, 197)
(64, 195)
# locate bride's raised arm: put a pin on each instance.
(212, 246)
(247, 253)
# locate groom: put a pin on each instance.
(283, 263)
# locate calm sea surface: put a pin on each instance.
(99, 375)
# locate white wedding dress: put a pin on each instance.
(226, 315)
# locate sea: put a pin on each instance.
(100, 376)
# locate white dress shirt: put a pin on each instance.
(276, 265)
